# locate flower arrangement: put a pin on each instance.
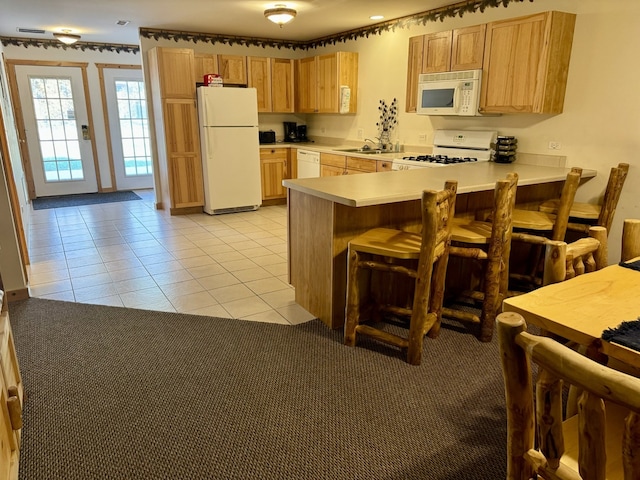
(388, 121)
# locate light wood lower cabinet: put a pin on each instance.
(275, 167)
(11, 398)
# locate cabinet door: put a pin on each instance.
(306, 82)
(467, 49)
(282, 85)
(233, 69)
(275, 168)
(526, 62)
(436, 54)
(331, 171)
(175, 69)
(414, 69)
(328, 83)
(184, 167)
(259, 77)
(361, 165)
(204, 63)
(383, 165)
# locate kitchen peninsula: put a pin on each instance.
(325, 213)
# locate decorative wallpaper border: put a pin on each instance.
(47, 43)
(438, 14)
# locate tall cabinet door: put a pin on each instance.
(282, 85)
(328, 83)
(259, 77)
(183, 153)
(306, 81)
(175, 72)
(414, 68)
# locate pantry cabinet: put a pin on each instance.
(233, 69)
(327, 83)
(11, 398)
(526, 63)
(176, 129)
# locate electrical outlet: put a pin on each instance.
(422, 138)
(555, 145)
(360, 134)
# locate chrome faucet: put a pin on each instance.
(367, 147)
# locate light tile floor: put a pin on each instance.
(129, 254)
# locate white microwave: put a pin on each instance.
(449, 93)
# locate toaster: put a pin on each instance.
(267, 137)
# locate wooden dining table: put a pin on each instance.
(581, 308)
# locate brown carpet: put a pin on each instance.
(116, 393)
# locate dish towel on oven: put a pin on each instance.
(627, 334)
(632, 265)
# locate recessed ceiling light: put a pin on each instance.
(122, 23)
(376, 17)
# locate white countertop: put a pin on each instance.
(399, 186)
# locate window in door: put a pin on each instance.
(57, 130)
(134, 127)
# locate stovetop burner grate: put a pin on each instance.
(442, 159)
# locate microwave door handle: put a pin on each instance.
(456, 98)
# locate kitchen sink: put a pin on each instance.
(360, 150)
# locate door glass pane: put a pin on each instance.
(134, 127)
(57, 128)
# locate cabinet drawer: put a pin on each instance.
(273, 153)
(363, 164)
(333, 160)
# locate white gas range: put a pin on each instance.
(451, 147)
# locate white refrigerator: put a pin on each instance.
(229, 143)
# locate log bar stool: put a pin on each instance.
(470, 240)
(551, 224)
(601, 442)
(384, 250)
(589, 213)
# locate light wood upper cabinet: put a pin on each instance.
(173, 72)
(526, 62)
(436, 52)
(273, 78)
(467, 48)
(414, 69)
(233, 69)
(204, 63)
(274, 163)
(259, 77)
(282, 85)
(307, 85)
(319, 80)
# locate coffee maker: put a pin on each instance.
(290, 132)
(302, 133)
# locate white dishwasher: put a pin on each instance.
(308, 164)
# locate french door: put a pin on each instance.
(57, 128)
(129, 128)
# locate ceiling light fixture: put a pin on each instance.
(280, 14)
(376, 17)
(66, 37)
